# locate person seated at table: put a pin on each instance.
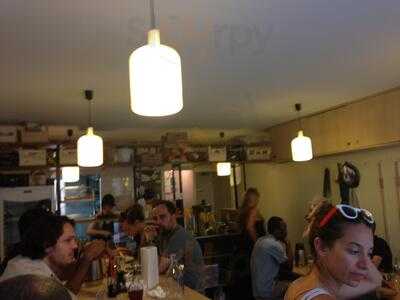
(33, 287)
(132, 224)
(341, 241)
(24, 222)
(103, 226)
(147, 201)
(269, 253)
(382, 255)
(174, 239)
(48, 248)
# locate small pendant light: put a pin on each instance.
(223, 168)
(301, 145)
(90, 146)
(70, 174)
(155, 76)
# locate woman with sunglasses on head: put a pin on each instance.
(341, 241)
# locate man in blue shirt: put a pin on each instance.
(268, 254)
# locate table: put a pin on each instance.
(89, 291)
(302, 270)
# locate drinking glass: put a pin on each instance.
(135, 288)
(396, 265)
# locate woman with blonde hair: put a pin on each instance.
(251, 228)
(250, 220)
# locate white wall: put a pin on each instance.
(286, 189)
(118, 181)
(188, 192)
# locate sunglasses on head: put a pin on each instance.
(349, 212)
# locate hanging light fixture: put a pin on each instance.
(155, 76)
(223, 168)
(301, 145)
(70, 174)
(90, 146)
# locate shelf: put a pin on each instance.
(77, 201)
(48, 145)
(19, 168)
(117, 165)
(12, 220)
(218, 256)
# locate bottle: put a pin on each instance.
(302, 260)
(111, 279)
(173, 267)
(219, 294)
(175, 276)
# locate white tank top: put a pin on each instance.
(311, 294)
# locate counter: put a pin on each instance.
(219, 249)
(212, 236)
(93, 290)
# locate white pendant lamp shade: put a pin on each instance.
(224, 169)
(301, 148)
(70, 174)
(155, 78)
(90, 149)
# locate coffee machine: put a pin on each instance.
(202, 213)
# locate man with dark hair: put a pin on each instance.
(48, 248)
(33, 287)
(175, 240)
(24, 223)
(382, 255)
(267, 256)
(132, 220)
(132, 224)
(103, 226)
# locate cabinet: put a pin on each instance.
(281, 136)
(368, 123)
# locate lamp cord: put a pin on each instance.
(297, 107)
(90, 113)
(299, 118)
(152, 15)
(89, 97)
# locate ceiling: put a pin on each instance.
(245, 63)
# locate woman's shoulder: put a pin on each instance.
(307, 288)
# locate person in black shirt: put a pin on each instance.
(382, 255)
(103, 226)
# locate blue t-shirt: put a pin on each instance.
(267, 255)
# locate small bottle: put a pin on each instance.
(111, 279)
(175, 276)
(302, 260)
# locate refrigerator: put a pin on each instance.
(13, 203)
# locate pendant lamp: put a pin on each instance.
(70, 174)
(301, 145)
(90, 146)
(155, 76)
(223, 168)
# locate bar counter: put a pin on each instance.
(93, 290)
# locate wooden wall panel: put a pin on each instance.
(368, 123)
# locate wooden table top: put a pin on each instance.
(90, 291)
(302, 270)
